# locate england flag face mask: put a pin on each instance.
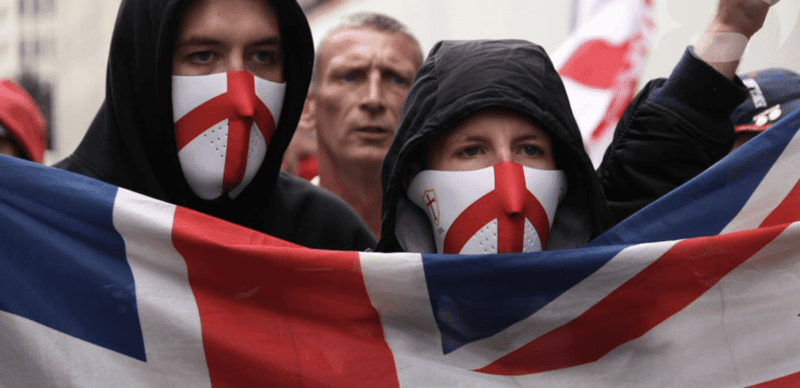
(500, 209)
(223, 123)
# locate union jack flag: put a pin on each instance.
(102, 287)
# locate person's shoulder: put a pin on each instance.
(325, 220)
(75, 164)
(302, 192)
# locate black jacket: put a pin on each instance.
(662, 140)
(131, 142)
(673, 129)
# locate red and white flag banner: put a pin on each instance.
(600, 63)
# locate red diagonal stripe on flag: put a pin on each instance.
(790, 381)
(671, 283)
(277, 315)
(787, 211)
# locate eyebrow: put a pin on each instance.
(483, 138)
(358, 62)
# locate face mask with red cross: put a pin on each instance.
(500, 209)
(223, 123)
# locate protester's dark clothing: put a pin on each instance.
(669, 134)
(460, 78)
(673, 130)
(131, 142)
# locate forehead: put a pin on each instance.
(364, 43)
(490, 123)
(226, 17)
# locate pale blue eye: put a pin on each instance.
(471, 151)
(203, 56)
(530, 150)
(398, 80)
(263, 56)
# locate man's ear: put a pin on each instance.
(308, 118)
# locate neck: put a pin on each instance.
(358, 183)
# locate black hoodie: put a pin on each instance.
(672, 131)
(460, 78)
(131, 142)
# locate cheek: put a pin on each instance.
(333, 104)
(397, 99)
(546, 163)
(395, 106)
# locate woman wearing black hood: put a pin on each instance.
(202, 99)
(488, 158)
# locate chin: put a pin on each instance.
(369, 154)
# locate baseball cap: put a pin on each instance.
(21, 120)
(774, 93)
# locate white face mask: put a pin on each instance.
(223, 123)
(500, 209)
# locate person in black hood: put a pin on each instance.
(488, 158)
(501, 78)
(202, 99)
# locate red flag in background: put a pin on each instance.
(600, 63)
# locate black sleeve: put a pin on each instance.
(673, 130)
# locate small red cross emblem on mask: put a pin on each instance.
(429, 198)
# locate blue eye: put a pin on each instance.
(263, 56)
(398, 80)
(530, 150)
(203, 56)
(471, 151)
(349, 78)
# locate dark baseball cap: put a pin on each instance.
(774, 93)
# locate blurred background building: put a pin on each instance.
(58, 48)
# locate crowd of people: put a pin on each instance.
(471, 149)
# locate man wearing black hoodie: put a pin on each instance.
(202, 99)
(487, 157)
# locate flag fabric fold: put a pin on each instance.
(100, 286)
(600, 63)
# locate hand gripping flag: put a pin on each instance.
(102, 287)
(600, 64)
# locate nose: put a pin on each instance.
(510, 186)
(373, 95)
(504, 154)
(242, 93)
(233, 62)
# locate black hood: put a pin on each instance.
(460, 78)
(131, 142)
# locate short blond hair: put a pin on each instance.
(374, 20)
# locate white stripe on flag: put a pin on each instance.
(564, 308)
(772, 190)
(743, 331)
(43, 357)
(167, 309)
